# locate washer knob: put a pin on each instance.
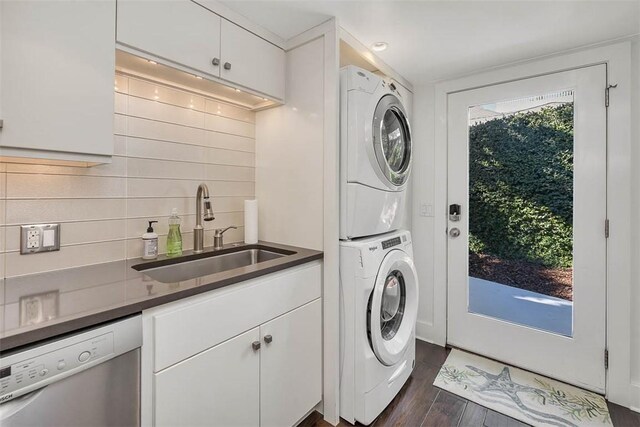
(61, 365)
(84, 356)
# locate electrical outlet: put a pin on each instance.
(39, 238)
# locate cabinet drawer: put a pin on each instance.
(185, 328)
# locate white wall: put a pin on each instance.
(423, 194)
(635, 232)
(289, 155)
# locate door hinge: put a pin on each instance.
(606, 228)
(606, 359)
(606, 94)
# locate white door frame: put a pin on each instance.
(618, 59)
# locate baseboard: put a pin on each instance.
(426, 331)
(634, 405)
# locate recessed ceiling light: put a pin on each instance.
(238, 90)
(198, 77)
(152, 62)
(379, 46)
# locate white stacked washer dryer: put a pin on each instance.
(378, 281)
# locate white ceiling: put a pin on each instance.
(436, 40)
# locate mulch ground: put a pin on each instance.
(555, 282)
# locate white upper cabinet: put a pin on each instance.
(56, 79)
(184, 33)
(251, 61)
(179, 31)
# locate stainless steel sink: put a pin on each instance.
(180, 270)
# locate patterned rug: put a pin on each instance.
(525, 396)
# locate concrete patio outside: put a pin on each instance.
(521, 306)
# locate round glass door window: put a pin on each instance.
(392, 140)
(393, 305)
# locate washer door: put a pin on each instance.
(392, 140)
(393, 307)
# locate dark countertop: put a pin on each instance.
(41, 306)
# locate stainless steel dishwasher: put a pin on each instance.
(91, 378)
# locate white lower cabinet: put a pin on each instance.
(246, 355)
(291, 366)
(218, 387)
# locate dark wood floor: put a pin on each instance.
(420, 404)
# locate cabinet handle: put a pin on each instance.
(268, 338)
(215, 62)
(227, 65)
(255, 345)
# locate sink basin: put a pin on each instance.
(181, 269)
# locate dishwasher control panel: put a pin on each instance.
(40, 369)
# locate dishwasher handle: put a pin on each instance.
(7, 409)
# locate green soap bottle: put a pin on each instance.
(174, 238)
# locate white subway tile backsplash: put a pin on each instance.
(120, 106)
(151, 168)
(67, 257)
(225, 125)
(117, 167)
(38, 211)
(150, 207)
(213, 106)
(161, 131)
(167, 95)
(153, 110)
(229, 141)
(29, 186)
(163, 148)
(154, 149)
(142, 187)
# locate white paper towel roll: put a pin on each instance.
(251, 221)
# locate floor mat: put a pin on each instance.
(520, 394)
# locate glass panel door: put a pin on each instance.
(521, 211)
(526, 249)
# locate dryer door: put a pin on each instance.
(392, 140)
(393, 307)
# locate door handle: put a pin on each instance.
(268, 339)
(454, 232)
(215, 62)
(227, 65)
(255, 345)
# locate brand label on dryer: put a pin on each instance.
(373, 248)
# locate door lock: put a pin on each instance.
(454, 232)
(454, 212)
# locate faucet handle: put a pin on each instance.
(220, 231)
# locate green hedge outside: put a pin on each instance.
(521, 186)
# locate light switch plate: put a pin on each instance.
(36, 238)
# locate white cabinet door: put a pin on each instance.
(57, 70)
(291, 365)
(179, 31)
(218, 387)
(251, 61)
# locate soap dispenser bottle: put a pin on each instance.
(174, 238)
(150, 242)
